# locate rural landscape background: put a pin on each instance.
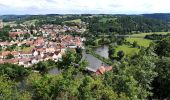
(77, 50)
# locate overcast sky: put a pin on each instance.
(84, 6)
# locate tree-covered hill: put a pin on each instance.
(161, 16)
(125, 24)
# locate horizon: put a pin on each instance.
(43, 7)
(74, 14)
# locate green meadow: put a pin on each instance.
(129, 51)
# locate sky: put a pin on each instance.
(21, 7)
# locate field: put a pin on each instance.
(129, 51)
(76, 21)
(142, 35)
(30, 22)
(9, 23)
(140, 41)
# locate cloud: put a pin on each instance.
(83, 6)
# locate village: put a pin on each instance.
(32, 46)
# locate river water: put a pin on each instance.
(95, 63)
(102, 51)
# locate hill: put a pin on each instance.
(161, 16)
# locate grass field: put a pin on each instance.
(140, 41)
(142, 35)
(76, 21)
(9, 23)
(30, 22)
(129, 51)
(106, 19)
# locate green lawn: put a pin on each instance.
(27, 49)
(76, 21)
(142, 35)
(29, 22)
(129, 51)
(13, 23)
(140, 41)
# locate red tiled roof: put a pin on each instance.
(4, 43)
(24, 59)
(103, 69)
(13, 34)
(29, 42)
(5, 53)
(14, 52)
(1, 61)
(14, 60)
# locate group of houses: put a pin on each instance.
(64, 28)
(43, 47)
(44, 43)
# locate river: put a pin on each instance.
(102, 51)
(95, 63)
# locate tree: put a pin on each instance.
(9, 56)
(161, 87)
(9, 90)
(134, 44)
(134, 76)
(120, 54)
(95, 89)
(111, 52)
(44, 66)
(13, 71)
(163, 48)
(142, 67)
(68, 58)
(11, 48)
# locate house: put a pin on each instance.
(103, 69)
(39, 41)
(4, 54)
(24, 61)
(29, 43)
(4, 44)
(15, 54)
(35, 53)
(50, 50)
(12, 61)
(15, 34)
(57, 56)
(1, 61)
(34, 60)
(26, 54)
